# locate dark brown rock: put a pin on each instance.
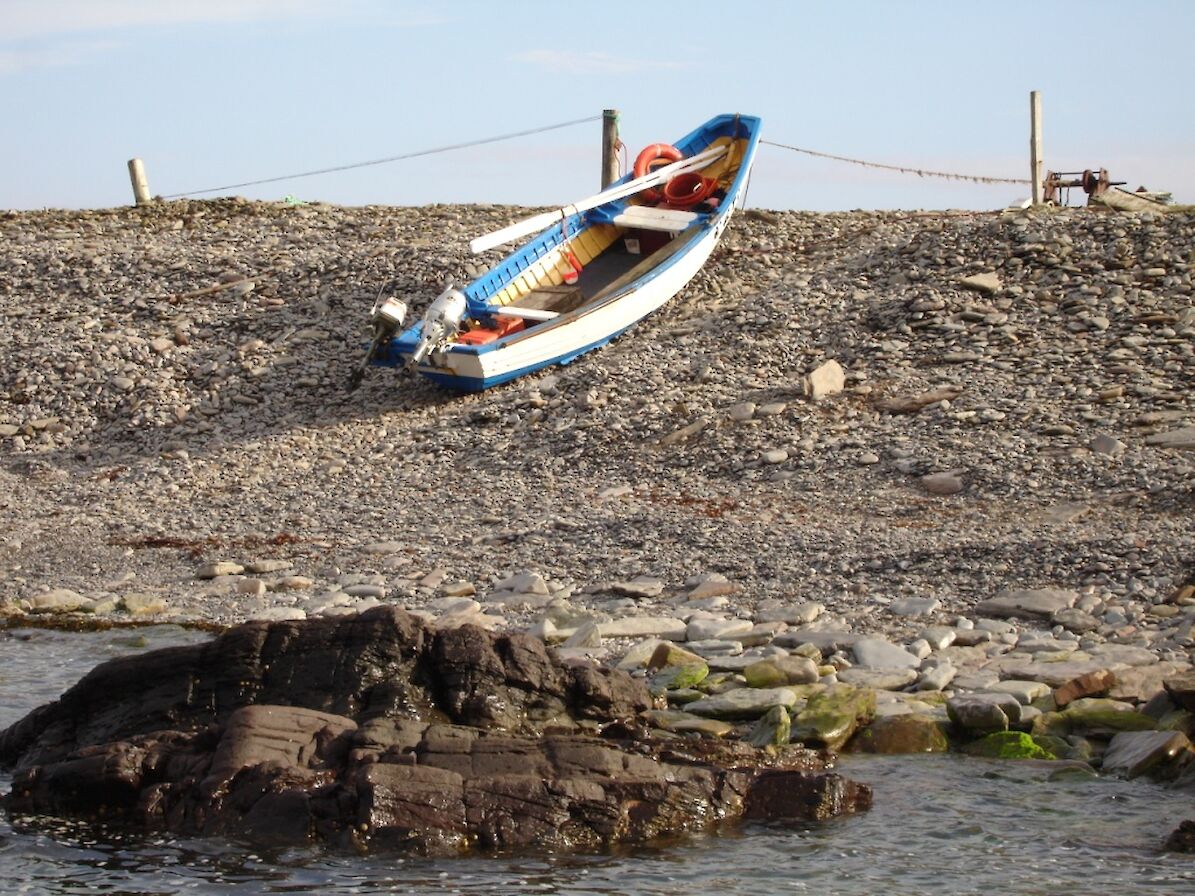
(1183, 838)
(393, 736)
(1181, 689)
(1091, 684)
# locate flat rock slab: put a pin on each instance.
(1033, 604)
(876, 653)
(1183, 439)
(644, 627)
(825, 641)
(743, 703)
(987, 283)
(914, 606)
(878, 679)
(1133, 753)
(1053, 674)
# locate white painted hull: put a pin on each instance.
(578, 332)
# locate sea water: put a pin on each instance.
(941, 824)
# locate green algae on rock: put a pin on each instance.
(1008, 745)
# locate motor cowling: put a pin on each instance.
(441, 322)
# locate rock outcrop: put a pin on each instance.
(376, 731)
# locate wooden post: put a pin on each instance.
(609, 147)
(140, 184)
(1036, 174)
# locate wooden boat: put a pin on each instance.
(598, 266)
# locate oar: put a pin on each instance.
(538, 222)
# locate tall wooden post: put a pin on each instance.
(1035, 161)
(609, 147)
(140, 184)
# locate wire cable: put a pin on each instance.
(920, 172)
(399, 158)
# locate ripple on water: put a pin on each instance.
(940, 824)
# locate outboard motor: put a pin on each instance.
(441, 322)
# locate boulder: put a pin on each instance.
(1041, 603)
(906, 733)
(1162, 754)
(1008, 745)
(831, 717)
(1089, 684)
(376, 731)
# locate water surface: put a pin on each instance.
(940, 824)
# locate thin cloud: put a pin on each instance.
(31, 19)
(63, 54)
(577, 63)
(25, 19)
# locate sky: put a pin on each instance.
(216, 92)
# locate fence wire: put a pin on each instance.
(409, 155)
(920, 172)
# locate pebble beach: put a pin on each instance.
(940, 457)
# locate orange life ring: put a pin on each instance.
(646, 161)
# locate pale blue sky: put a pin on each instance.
(213, 92)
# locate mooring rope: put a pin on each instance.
(920, 172)
(408, 155)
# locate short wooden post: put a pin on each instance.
(1035, 161)
(609, 147)
(140, 184)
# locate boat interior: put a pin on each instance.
(594, 254)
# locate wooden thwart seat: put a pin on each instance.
(544, 303)
(666, 219)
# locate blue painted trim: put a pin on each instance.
(479, 292)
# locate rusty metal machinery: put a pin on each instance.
(1093, 183)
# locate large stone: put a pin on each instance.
(876, 653)
(375, 731)
(59, 600)
(1162, 754)
(831, 717)
(827, 379)
(1008, 745)
(906, 733)
(781, 671)
(774, 729)
(1040, 603)
(977, 715)
(1181, 689)
(1183, 439)
(987, 283)
(644, 627)
(1090, 684)
(219, 568)
(719, 629)
(743, 703)
(878, 679)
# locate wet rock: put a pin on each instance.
(976, 714)
(1162, 754)
(831, 717)
(906, 733)
(359, 754)
(1008, 745)
(1181, 689)
(774, 729)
